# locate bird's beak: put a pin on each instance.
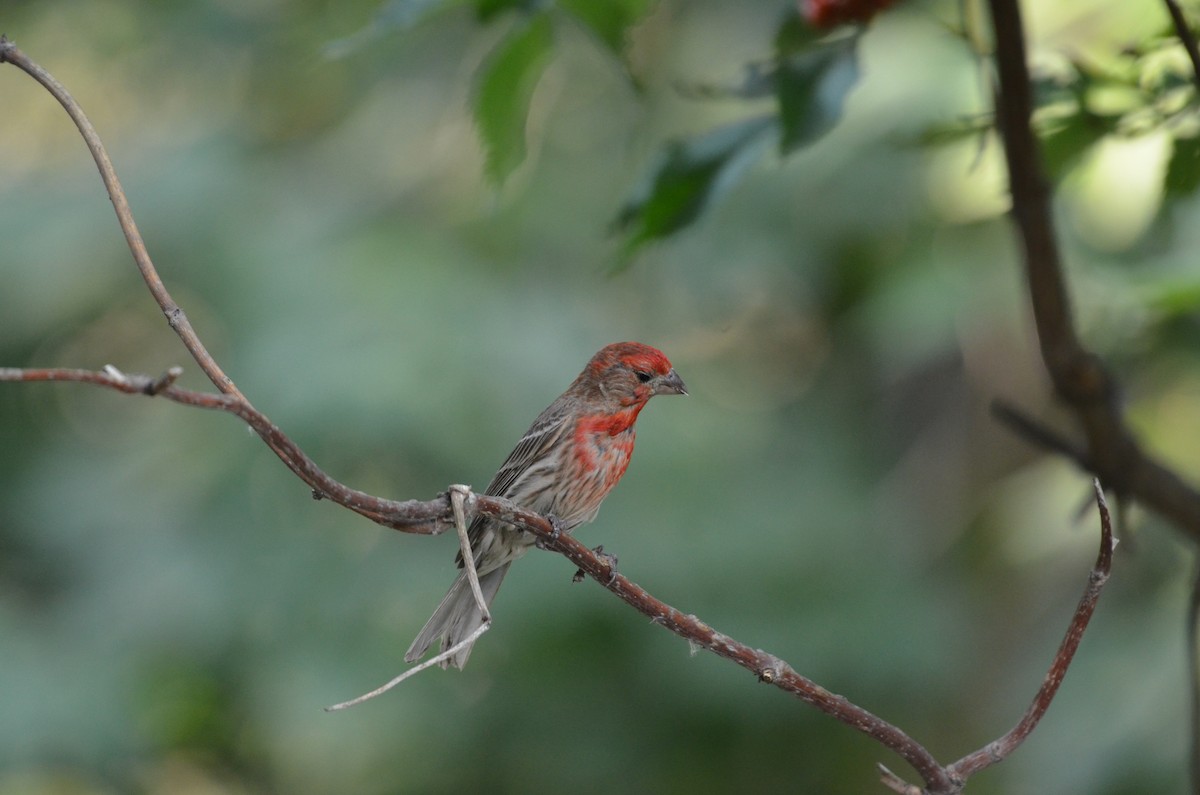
(671, 384)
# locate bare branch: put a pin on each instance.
(999, 750)
(9, 53)
(766, 667)
(411, 516)
(176, 318)
(1079, 377)
(597, 565)
(458, 495)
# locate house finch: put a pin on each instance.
(563, 467)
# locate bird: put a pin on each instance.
(563, 468)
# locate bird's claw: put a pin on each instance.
(556, 532)
(608, 558)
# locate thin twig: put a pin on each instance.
(416, 669)
(1000, 749)
(411, 516)
(1184, 32)
(175, 315)
(766, 667)
(458, 495)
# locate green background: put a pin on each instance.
(175, 611)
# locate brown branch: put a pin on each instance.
(938, 780)
(412, 516)
(431, 517)
(459, 494)
(1059, 345)
(999, 750)
(176, 318)
(9, 53)
(1079, 377)
(1184, 32)
(766, 667)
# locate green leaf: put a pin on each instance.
(794, 34)
(1071, 138)
(689, 175)
(952, 132)
(503, 93)
(487, 10)
(1183, 170)
(1065, 85)
(811, 86)
(609, 20)
(1176, 298)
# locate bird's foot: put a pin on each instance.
(556, 531)
(608, 558)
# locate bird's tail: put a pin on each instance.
(456, 617)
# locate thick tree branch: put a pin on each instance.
(1079, 377)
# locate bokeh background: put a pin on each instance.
(175, 611)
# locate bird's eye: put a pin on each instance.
(643, 376)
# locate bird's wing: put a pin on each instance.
(533, 447)
(537, 441)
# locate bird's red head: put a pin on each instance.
(630, 373)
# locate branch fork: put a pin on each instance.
(1062, 352)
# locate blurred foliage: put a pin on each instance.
(310, 178)
(1145, 87)
(505, 89)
